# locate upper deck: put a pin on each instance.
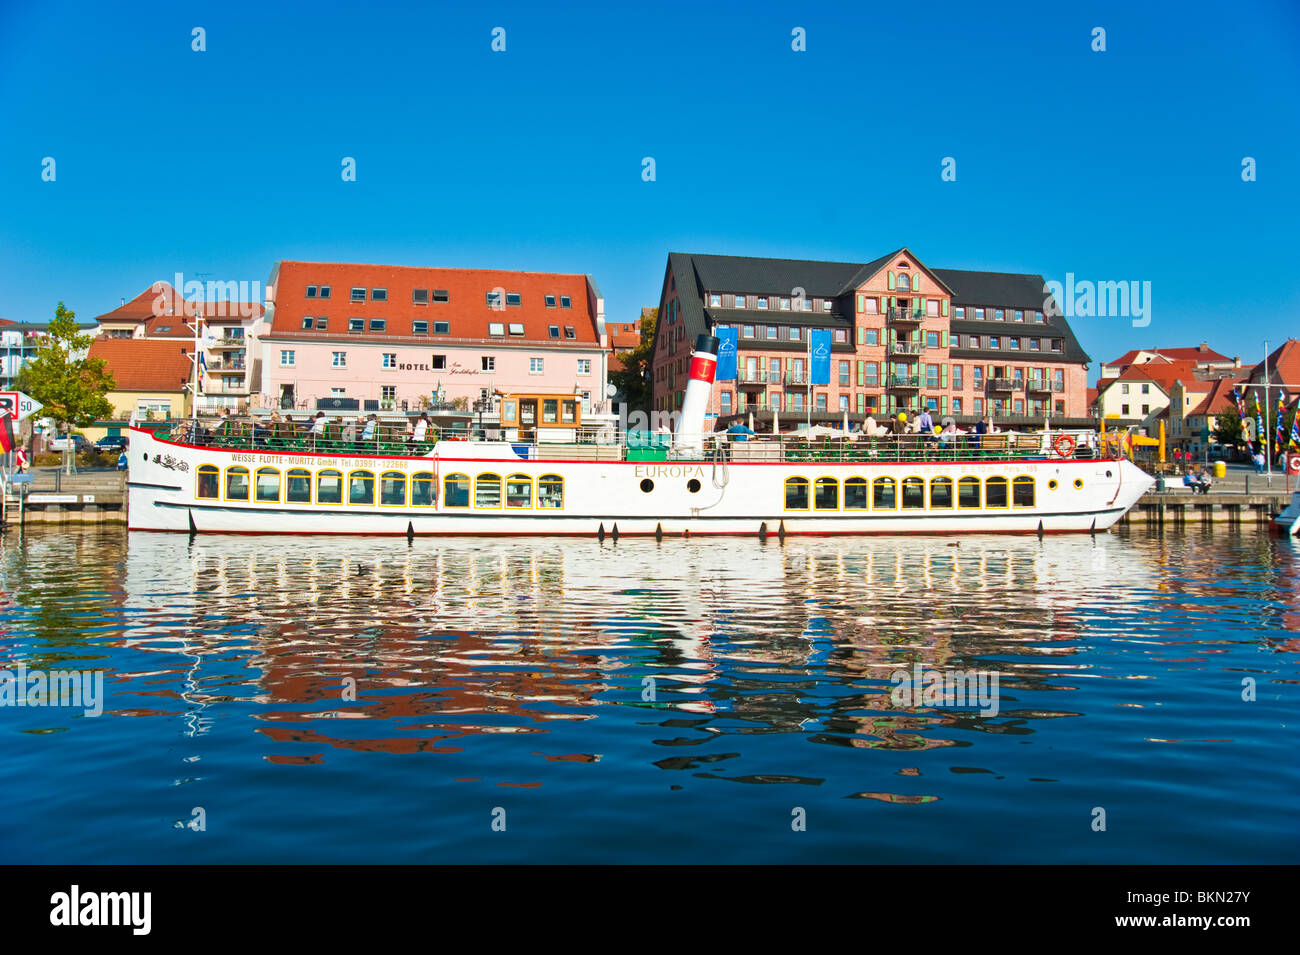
(389, 440)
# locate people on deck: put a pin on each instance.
(420, 430)
(925, 426)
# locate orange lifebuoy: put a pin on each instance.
(1063, 445)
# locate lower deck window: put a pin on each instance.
(550, 491)
(883, 496)
(519, 491)
(941, 493)
(329, 487)
(236, 484)
(913, 493)
(796, 494)
(455, 490)
(995, 492)
(422, 489)
(487, 490)
(361, 488)
(828, 494)
(209, 482)
(1022, 491)
(297, 487)
(968, 492)
(855, 494)
(392, 489)
(268, 485)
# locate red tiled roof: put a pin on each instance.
(1217, 399)
(1163, 374)
(141, 364)
(1200, 353)
(467, 309)
(157, 299)
(1283, 365)
(168, 326)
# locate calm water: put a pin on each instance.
(510, 679)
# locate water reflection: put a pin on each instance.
(706, 652)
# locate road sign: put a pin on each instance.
(16, 405)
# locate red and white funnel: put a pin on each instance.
(689, 438)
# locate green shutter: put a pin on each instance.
(944, 307)
(862, 402)
(943, 404)
(862, 335)
(891, 281)
(943, 375)
(916, 282)
(860, 305)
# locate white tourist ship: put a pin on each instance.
(701, 485)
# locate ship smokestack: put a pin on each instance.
(690, 426)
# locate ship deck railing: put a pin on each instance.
(605, 445)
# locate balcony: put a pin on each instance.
(797, 378)
(757, 378)
(1044, 386)
(903, 381)
(906, 315)
(220, 365)
(912, 349)
(1002, 384)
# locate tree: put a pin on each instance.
(70, 384)
(634, 380)
(1227, 429)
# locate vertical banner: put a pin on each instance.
(727, 361)
(819, 349)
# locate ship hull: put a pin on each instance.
(622, 498)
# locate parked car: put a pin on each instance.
(111, 443)
(79, 443)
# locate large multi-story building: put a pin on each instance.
(229, 333)
(903, 336)
(404, 338)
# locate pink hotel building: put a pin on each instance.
(903, 336)
(391, 337)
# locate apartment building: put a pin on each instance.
(903, 336)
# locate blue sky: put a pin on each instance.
(1119, 165)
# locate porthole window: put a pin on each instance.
(1078, 483)
(693, 485)
(647, 485)
(1107, 474)
(1051, 485)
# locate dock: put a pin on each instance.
(87, 497)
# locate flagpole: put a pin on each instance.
(1268, 437)
(809, 379)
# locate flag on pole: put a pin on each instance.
(203, 370)
(1295, 429)
(1281, 413)
(6, 434)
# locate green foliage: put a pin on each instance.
(634, 380)
(71, 388)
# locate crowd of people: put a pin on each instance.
(357, 432)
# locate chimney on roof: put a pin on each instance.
(1203, 347)
(1236, 361)
(123, 301)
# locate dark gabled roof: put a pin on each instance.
(741, 273)
(998, 289)
(695, 274)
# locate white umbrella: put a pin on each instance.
(818, 431)
(846, 422)
(751, 421)
(776, 421)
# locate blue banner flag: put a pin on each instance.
(819, 349)
(726, 370)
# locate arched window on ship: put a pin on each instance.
(208, 478)
(297, 488)
(392, 489)
(237, 484)
(455, 490)
(422, 489)
(267, 486)
(550, 491)
(329, 487)
(361, 488)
